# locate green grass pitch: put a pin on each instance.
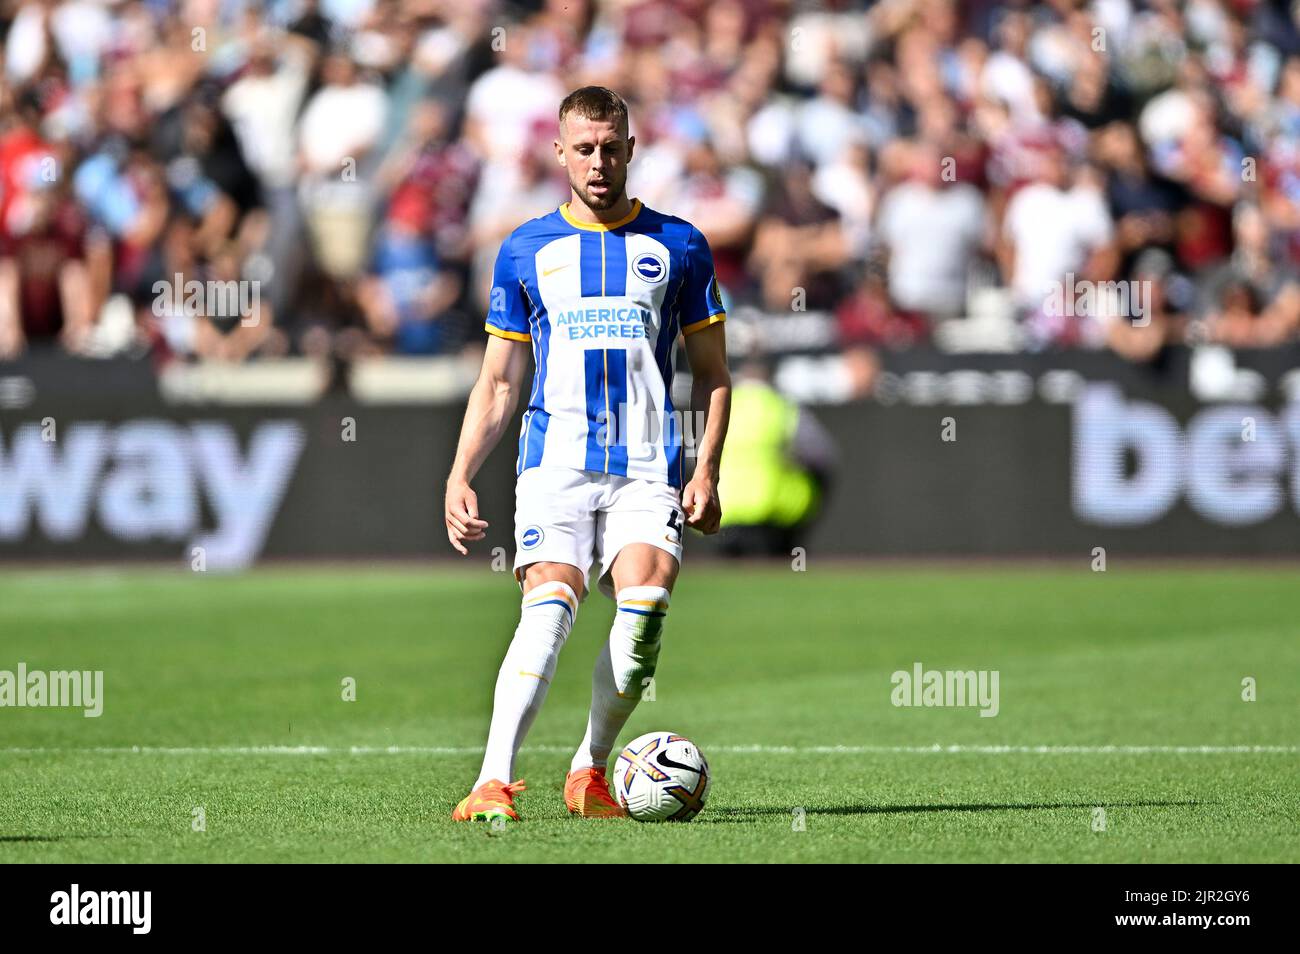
(765, 668)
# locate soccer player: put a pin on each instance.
(598, 292)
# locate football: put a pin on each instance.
(661, 776)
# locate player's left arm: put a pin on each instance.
(706, 349)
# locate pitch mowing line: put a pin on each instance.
(726, 749)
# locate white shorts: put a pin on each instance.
(577, 516)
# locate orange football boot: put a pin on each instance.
(490, 800)
(586, 793)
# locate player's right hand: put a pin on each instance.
(463, 523)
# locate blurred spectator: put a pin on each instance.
(532, 185)
(726, 203)
(1140, 337)
(262, 105)
(1143, 205)
(866, 322)
(1055, 228)
(844, 184)
(339, 127)
(1006, 76)
(503, 103)
(799, 246)
(1253, 300)
(407, 292)
(932, 228)
(44, 283)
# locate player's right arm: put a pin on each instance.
(492, 402)
(490, 409)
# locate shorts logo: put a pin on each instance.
(649, 268)
(530, 538)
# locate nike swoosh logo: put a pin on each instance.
(555, 269)
(663, 759)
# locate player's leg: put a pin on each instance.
(639, 539)
(554, 530)
(643, 577)
(546, 615)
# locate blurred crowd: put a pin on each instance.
(899, 165)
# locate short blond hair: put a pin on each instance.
(596, 102)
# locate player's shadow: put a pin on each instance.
(732, 815)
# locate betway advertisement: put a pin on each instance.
(1151, 473)
(225, 487)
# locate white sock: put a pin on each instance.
(624, 668)
(544, 622)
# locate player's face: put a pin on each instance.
(595, 153)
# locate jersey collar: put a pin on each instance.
(601, 226)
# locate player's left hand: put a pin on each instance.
(700, 501)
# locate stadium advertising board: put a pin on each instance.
(1133, 468)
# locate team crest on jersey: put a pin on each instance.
(714, 291)
(649, 268)
(530, 538)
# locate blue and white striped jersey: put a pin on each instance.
(602, 306)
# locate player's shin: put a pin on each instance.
(624, 670)
(545, 619)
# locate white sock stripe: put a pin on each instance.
(643, 597)
(551, 592)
